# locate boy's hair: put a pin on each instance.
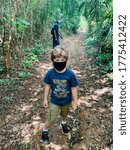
(59, 51)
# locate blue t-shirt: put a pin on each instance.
(61, 84)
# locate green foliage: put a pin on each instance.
(10, 83)
(92, 53)
(109, 67)
(46, 44)
(68, 12)
(105, 62)
(22, 74)
(4, 80)
(37, 49)
(104, 58)
(91, 43)
(71, 25)
(29, 59)
(19, 24)
(99, 15)
(32, 54)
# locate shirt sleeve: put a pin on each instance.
(74, 81)
(46, 79)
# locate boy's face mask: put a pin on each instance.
(59, 65)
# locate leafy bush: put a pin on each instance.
(71, 25)
(104, 58)
(20, 24)
(29, 59)
(99, 35)
(92, 53)
(91, 43)
(37, 49)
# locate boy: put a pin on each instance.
(63, 85)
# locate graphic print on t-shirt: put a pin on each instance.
(60, 90)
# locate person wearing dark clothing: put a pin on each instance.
(55, 33)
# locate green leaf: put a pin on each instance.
(22, 74)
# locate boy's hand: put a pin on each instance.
(45, 104)
(74, 105)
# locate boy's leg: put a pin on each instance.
(52, 117)
(64, 112)
(53, 113)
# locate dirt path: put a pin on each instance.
(22, 120)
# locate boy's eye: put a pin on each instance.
(59, 60)
(62, 59)
(56, 60)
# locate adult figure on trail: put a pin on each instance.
(55, 33)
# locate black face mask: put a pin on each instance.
(59, 65)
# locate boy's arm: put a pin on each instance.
(46, 95)
(74, 91)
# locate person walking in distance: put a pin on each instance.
(55, 33)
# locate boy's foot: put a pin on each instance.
(65, 128)
(45, 138)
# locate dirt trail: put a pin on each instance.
(25, 117)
